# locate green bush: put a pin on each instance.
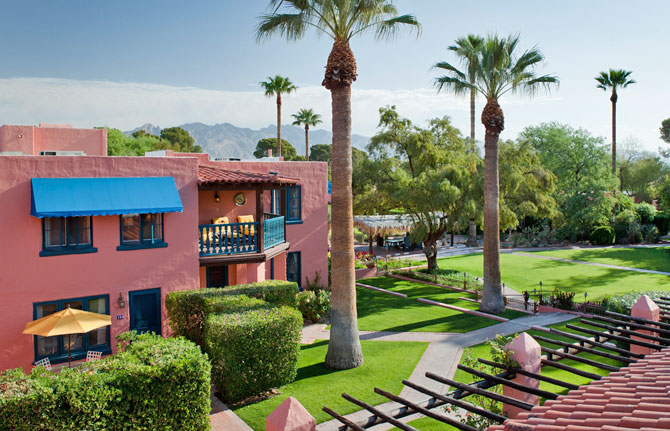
(623, 302)
(662, 222)
(646, 212)
(627, 227)
(313, 304)
(278, 292)
(155, 383)
(602, 235)
(253, 351)
(650, 233)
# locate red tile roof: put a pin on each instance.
(210, 175)
(636, 397)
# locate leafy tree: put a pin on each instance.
(262, 147)
(424, 172)
(643, 176)
(499, 71)
(614, 80)
(467, 49)
(339, 20)
(321, 153)
(180, 140)
(306, 117)
(665, 137)
(141, 133)
(276, 87)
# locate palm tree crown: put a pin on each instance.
(615, 79)
(306, 117)
(276, 87)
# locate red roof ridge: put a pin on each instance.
(212, 175)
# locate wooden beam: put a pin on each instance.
(585, 349)
(458, 403)
(572, 370)
(509, 383)
(626, 331)
(614, 337)
(663, 332)
(342, 419)
(260, 219)
(576, 358)
(638, 319)
(379, 413)
(529, 374)
(442, 418)
(596, 343)
(474, 390)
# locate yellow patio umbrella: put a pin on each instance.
(67, 322)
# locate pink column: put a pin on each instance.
(255, 272)
(240, 273)
(646, 309)
(528, 353)
(290, 416)
(280, 266)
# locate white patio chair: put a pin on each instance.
(93, 356)
(44, 363)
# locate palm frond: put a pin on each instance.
(457, 86)
(289, 26)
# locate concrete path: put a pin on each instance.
(603, 265)
(223, 419)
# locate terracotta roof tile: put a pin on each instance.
(212, 175)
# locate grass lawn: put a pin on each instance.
(316, 385)
(429, 424)
(382, 312)
(657, 258)
(521, 273)
(483, 351)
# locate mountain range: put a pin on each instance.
(229, 141)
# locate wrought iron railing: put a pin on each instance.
(273, 230)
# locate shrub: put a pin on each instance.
(627, 227)
(646, 212)
(449, 277)
(253, 351)
(662, 222)
(155, 383)
(623, 302)
(650, 233)
(277, 292)
(313, 304)
(602, 235)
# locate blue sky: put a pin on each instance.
(124, 63)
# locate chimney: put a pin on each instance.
(269, 152)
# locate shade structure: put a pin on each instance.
(71, 197)
(67, 322)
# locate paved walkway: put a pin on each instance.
(604, 265)
(223, 419)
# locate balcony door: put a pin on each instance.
(145, 310)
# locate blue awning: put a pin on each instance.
(65, 197)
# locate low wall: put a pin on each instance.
(366, 273)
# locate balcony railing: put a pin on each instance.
(238, 238)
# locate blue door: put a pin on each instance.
(145, 311)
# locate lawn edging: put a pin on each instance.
(463, 310)
(379, 289)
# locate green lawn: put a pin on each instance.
(386, 365)
(657, 258)
(429, 424)
(382, 312)
(521, 273)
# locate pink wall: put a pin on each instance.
(93, 142)
(209, 209)
(26, 278)
(311, 236)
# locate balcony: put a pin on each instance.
(240, 238)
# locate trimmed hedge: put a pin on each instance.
(313, 304)
(278, 292)
(155, 383)
(253, 351)
(602, 235)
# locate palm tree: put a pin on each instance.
(277, 86)
(467, 49)
(340, 20)
(613, 80)
(308, 118)
(498, 72)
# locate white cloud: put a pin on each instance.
(126, 105)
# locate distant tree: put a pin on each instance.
(614, 80)
(262, 147)
(321, 153)
(665, 137)
(180, 140)
(141, 133)
(306, 117)
(118, 144)
(276, 87)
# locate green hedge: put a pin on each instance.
(278, 292)
(602, 235)
(155, 383)
(253, 351)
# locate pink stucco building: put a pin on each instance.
(115, 235)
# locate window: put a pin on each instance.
(293, 267)
(294, 205)
(141, 231)
(217, 276)
(275, 201)
(55, 348)
(67, 235)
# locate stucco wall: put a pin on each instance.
(93, 142)
(26, 278)
(209, 209)
(311, 236)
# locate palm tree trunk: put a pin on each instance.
(492, 300)
(613, 135)
(344, 348)
(307, 142)
(278, 125)
(472, 230)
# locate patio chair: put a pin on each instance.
(44, 363)
(93, 356)
(247, 219)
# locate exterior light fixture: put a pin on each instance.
(217, 198)
(121, 301)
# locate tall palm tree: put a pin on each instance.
(499, 71)
(614, 80)
(467, 49)
(340, 20)
(276, 87)
(306, 117)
